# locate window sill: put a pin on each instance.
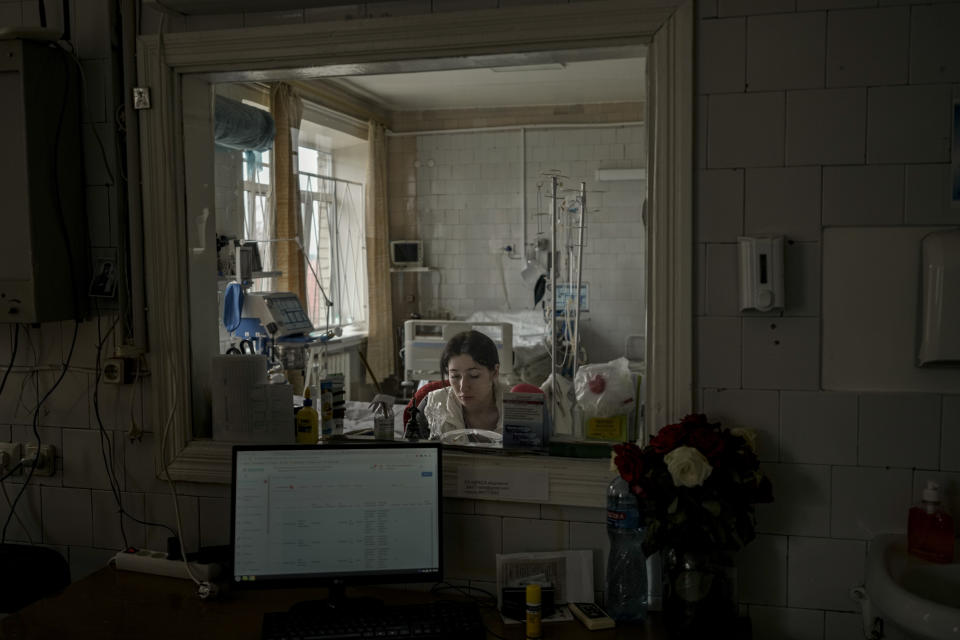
(572, 482)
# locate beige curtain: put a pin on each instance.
(287, 109)
(381, 354)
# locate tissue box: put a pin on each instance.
(524, 421)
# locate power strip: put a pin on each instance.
(158, 563)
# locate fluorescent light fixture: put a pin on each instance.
(550, 66)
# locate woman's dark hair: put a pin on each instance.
(474, 344)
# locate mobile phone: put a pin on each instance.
(592, 616)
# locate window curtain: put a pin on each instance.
(287, 109)
(381, 355)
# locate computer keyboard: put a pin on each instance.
(433, 621)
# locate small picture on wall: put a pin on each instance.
(955, 156)
(104, 283)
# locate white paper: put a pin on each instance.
(495, 483)
(570, 573)
(246, 408)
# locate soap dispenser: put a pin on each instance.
(930, 528)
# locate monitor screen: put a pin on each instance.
(406, 253)
(314, 515)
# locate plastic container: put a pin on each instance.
(307, 421)
(626, 596)
(383, 417)
(930, 528)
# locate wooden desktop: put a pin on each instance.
(120, 604)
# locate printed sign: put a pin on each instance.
(494, 483)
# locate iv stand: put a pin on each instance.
(576, 322)
(553, 303)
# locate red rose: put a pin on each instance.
(708, 441)
(668, 438)
(629, 461)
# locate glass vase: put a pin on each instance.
(699, 593)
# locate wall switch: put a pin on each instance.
(47, 462)
(9, 457)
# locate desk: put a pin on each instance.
(120, 604)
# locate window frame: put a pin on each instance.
(176, 65)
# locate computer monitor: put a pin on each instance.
(336, 515)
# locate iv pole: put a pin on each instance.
(553, 303)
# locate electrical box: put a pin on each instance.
(44, 264)
(761, 273)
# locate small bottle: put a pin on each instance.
(326, 408)
(307, 421)
(930, 528)
(534, 596)
(626, 597)
(383, 417)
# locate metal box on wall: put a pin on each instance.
(44, 266)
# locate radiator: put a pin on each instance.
(335, 359)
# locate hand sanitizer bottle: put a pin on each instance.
(930, 528)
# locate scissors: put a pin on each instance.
(246, 348)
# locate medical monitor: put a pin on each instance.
(336, 515)
(406, 253)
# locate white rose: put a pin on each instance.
(747, 434)
(687, 466)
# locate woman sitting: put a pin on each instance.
(474, 399)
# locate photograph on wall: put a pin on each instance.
(104, 283)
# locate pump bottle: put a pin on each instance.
(930, 528)
(307, 421)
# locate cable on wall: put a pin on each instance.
(58, 206)
(106, 446)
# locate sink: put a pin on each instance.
(914, 598)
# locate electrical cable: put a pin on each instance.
(106, 448)
(3, 489)
(13, 356)
(167, 333)
(58, 207)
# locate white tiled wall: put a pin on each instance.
(843, 464)
(470, 206)
(815, 114)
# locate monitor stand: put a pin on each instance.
(338, 602)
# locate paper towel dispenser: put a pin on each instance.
(940, 299)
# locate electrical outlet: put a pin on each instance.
(47, 462)
(114, 371)
(9, 456)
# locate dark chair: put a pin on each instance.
(31, 573)
(420, 395)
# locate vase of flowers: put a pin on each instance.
(696, 484)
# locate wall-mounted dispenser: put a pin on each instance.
(940, 305)
(761, 273)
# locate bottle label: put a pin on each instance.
(623, 519)
(533, 621)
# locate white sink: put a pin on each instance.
(915, 598)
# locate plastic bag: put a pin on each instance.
(605, 390)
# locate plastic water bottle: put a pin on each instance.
(626, 598)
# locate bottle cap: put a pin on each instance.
(533, 594)
(932, 492)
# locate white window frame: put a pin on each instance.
(170, 199)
